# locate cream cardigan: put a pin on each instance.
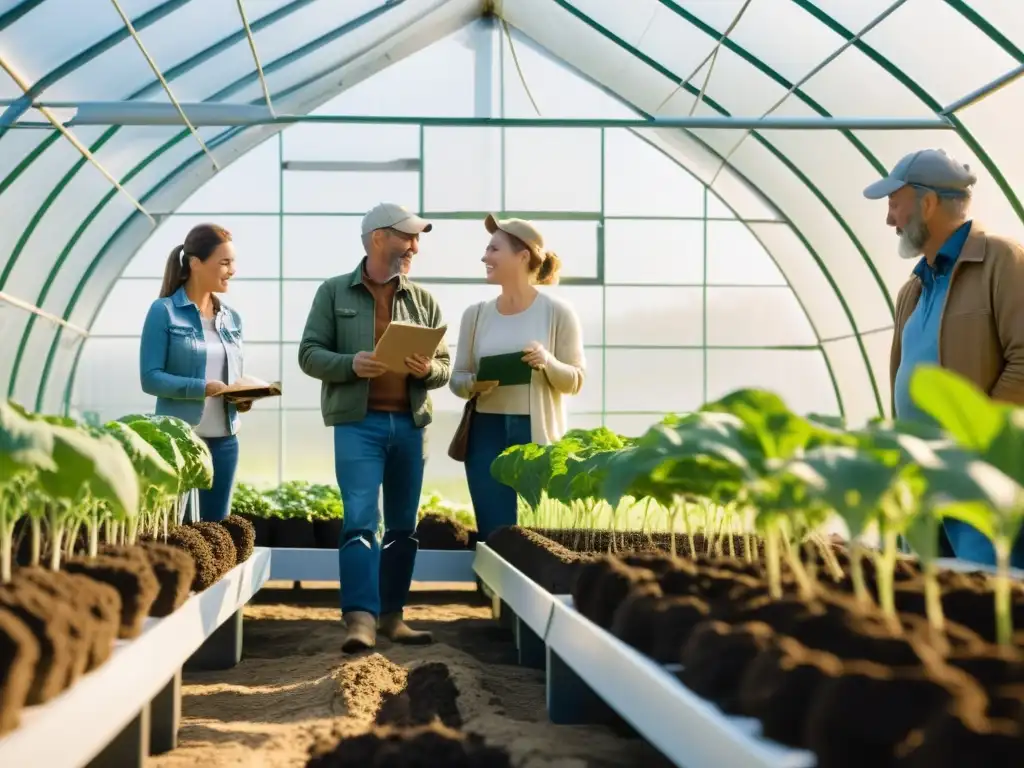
(562, 376)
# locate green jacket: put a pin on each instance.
(340, 324)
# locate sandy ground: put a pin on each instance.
(294, 687)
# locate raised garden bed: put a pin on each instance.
(749, 680)
(112, 714)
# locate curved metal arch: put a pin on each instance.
(240, 83)
(800, 94)
(781, 157)
(785, 221)
(171, 74)
(799, 234)
(17, 12)
(22, 105)
(986, 26)
(925, 96)
(234, 132)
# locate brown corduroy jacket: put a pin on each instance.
(981, 330)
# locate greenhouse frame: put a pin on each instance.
(745, 491)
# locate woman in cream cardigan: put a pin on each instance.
(521, 319)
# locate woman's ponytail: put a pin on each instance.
(175, 272)
(547, 274)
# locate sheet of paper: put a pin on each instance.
(402, 340)
(508, 370)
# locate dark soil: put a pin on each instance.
(416, 727)
(105, 605)
(584, 540)
(261, 529)
(889, 705)
(221, 544)
(292, 533)
(134, 580)
(717, 655)
(19, 655)
(327, 533)
(429, 693)
(187, 538)
(49, 620)
(442, 532)
(84, 631)
(243, 535)
(549, 564)
(175, 571)
(424, 746)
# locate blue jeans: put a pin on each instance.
(494, 504)
(971, 544)
(383, 450)
(215, 502)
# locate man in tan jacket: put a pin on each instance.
(963, 306)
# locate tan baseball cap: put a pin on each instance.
(394, 216)
(520, 228)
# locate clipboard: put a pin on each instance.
(402, 340)
(508, 370)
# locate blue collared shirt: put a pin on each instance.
(921, 333)
(172, 356)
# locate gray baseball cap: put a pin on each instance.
(929, 168)
(394, 216)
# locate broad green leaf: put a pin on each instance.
(24, 445)
(850, 482)
(163, 444)
(153, 470)
(959, 406)
(198, 460)
(89, 464)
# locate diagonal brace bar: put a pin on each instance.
(67, 134)
(974, 96)
(163, 81)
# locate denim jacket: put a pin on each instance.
(172, 357)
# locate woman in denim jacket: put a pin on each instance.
(191, 349)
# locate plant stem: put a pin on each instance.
(886, 567)
(94, 538)
(933, 599)
(771, 551)
(860, 589)
(732, 535)
(803, 581)
(6, 534)
(748, 545)
(829, 556)
(37, 540)
(1004, 616)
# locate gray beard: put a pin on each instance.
(913, 237)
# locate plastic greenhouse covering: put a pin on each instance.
(701, 256)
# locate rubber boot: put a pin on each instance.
(360, 632)
(394, 628)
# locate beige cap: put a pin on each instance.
(394, 216)
(520, 228)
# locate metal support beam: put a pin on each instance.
(401, 165)
(6, 298)
(255, 56)
(796, 86)
(148, 113)
(163, 82)
(67, 134)
(974, 96)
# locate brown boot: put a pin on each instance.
(360, 632)
(394, 628)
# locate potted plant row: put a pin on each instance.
(304, 515)
(91, 545)
(862, 655)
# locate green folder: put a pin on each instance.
(507, 370)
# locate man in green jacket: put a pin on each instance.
(379, 418)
